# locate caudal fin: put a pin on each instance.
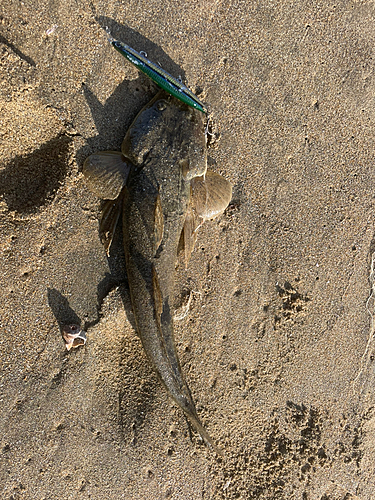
(204, 434)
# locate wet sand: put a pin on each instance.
(277, 346)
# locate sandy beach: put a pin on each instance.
(278, 343)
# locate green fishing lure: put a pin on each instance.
(157, 74)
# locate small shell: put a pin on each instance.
(52, 29)
(73, 336)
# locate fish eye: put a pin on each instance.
(161, 105)
(189, 114)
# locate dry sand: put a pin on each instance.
(277, 346)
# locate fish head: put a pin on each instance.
(169, 133)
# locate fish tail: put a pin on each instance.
(204, 435)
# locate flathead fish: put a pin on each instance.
(160, 183)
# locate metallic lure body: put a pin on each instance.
(161, 77)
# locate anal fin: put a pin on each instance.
(158, 223)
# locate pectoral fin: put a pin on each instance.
(106, 173)
(210, 196)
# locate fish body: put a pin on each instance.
(168, 193)
(153, 219)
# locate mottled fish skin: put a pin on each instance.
(153, 219)
(161, 183)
